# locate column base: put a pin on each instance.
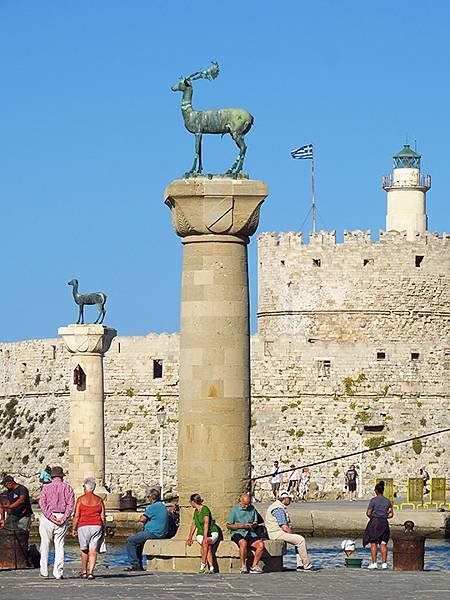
(175, 556)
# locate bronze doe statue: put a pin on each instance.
(97, 298)
(235, 121)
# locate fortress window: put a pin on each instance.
(324, 368)
(415, 355)
(53, 352)
(282, 263)
(317, 262)
(118, 347)
(381, 355)
(157, 368)
(419, 260)
(367, 261)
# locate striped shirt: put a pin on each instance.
(57, 497)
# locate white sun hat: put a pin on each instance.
(348, 545)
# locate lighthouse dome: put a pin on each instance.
(407, 158)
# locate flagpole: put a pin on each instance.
(313, 205)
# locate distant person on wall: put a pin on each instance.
(351, 478)
(156, 525)
(89, 525)
(56, 501)
(242, 521)
(45, 476)
(206, 532)
(17, 505)
(303, 488)
(293, 481)
(377, 531)
(426, 480)
(275, 479)
(278, 525)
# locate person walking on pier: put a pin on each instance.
(294, 480)
(242, 521)
(303, 487)
(351, 478)
(278, 525)
(377, 531)
(56, 501)
(89, 525)
(275, 479)
(207, 532)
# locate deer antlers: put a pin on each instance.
(210, 73)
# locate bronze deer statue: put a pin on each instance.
(235, 121)
(97, 298)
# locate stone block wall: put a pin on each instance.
(34, 409)
(342, 346)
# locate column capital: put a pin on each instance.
(224, 206)
(87, 339)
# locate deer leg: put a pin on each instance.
(242, 150)
(81, 315)
(200, 166)
(197, 158)
(101, 313)
(236, 167)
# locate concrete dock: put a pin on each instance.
(111, 584)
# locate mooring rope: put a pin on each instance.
(326, 460)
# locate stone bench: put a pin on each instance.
(176, 556)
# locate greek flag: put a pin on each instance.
(303, 152)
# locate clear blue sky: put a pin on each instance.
(90, 134)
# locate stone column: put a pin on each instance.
(87, 345)
(215, 218)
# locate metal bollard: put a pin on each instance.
(409, 549)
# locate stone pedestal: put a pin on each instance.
(87, 345)
(215, 219)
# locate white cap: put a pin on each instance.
(285, 495)
(348, 545)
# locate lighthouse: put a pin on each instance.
(406, 194)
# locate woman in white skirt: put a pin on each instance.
(89, 524)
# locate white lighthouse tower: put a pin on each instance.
(406, 194)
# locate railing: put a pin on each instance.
(421, 181)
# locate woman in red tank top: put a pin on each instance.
(89, 525)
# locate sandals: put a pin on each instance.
(91, 576)
(82, 575)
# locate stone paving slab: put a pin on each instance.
(112, 584)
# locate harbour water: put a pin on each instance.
(325, 553)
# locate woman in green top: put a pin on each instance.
(207, 532)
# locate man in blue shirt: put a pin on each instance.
(241, 521)
(156, 520)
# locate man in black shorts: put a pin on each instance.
(350, 479)
(242, 520)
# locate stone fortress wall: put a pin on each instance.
(352, 337)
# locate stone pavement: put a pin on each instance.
(327, 584)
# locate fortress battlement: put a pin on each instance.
(293, 239)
